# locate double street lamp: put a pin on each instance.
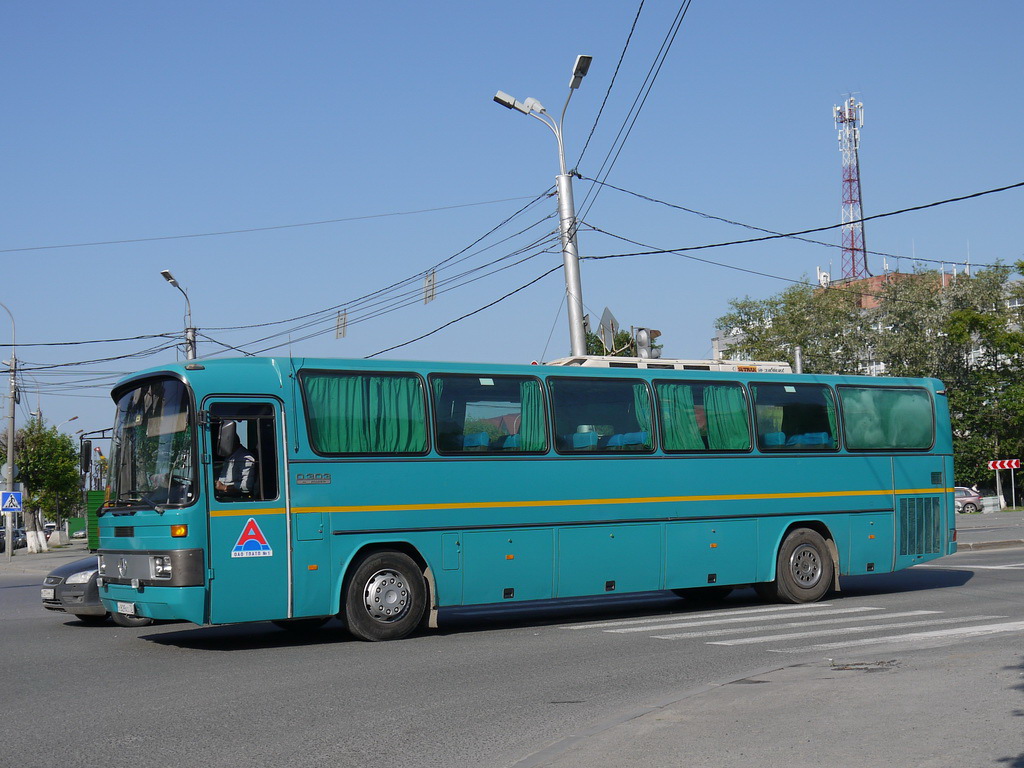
(190, 331)
(566, 206)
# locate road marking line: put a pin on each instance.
(732, 620)
(1007, 567)
(850, 630)
(705, 614)
(738, 630)
(917, 637)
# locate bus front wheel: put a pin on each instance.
(385, 597)
(803, 570)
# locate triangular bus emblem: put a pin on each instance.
(252, 542)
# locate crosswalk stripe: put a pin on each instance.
(763, 627)
(849, 630)
(705, 614)
(919, 638)
(738, 619)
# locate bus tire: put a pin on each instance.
(130, 621)
(803, 569)
(385, 597)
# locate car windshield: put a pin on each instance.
(151, 461)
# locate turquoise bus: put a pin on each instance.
(382, 491)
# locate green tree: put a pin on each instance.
(925, 324)
(48, 469)
(624, 345)
(827, 325)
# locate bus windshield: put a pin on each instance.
(152, 458)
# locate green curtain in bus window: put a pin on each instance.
(337, 414)
(680, 418)
(726, 412)
(642, 405)
(396, 415)
(910, 417)
(532, 435)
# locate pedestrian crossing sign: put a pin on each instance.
(10, 501)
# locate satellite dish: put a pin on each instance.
(824, 279)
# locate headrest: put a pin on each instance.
(228, 439)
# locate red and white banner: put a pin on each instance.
(1004, 464)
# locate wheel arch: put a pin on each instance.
(822, 529)
(406, 548)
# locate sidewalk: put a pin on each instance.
(42, 563)
(990, 530)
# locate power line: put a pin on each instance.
(763, 229)
(814, 229)
(257, 229)
(468, 314)
(607, 93)
(638, 104)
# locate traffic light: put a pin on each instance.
(86, 457)
(645, 343)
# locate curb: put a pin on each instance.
(989, 544)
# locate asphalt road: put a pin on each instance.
(617, 681)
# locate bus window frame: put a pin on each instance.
(931, 402)
(302, 374)
(785, 449)
(194, 426)
(548, 439)
(276, 415)
(748, 404)
(655, 417)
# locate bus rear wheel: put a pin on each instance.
(385, 597)
(803, 569)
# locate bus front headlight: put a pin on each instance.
(161, 566)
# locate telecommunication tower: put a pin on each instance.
(849, 119)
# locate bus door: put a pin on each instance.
(243, 457)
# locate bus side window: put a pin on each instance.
(243, 436)
(795, 417)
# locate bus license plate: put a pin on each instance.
(47, 594)
(128, 609)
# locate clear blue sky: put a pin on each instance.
(127, 121)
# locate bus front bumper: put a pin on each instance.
(167, 603)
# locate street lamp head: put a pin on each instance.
(532, 105)
(169, 277)
(579, 71)
(510, 103)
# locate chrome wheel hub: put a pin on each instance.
(386, 596)
(805, 565)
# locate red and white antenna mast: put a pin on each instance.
(849, 119)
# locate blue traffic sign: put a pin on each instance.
(10, 501)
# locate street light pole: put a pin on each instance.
(9, 472)
(190, 331)
(566, 207)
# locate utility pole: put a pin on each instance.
(9, 472)
(566, 207)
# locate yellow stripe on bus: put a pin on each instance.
(577, 502)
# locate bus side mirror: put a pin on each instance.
(86, 456)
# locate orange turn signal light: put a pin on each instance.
(179, 531)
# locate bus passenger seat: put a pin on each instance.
(476, 441)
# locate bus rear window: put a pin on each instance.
(795, 417)
(365, 413)
(887, 418)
